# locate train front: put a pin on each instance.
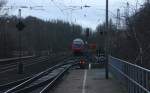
(78, 46)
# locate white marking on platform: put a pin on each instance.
(84, 81)
(89, 66)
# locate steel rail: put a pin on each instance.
(12, 67)
(12, 84)
(22, 85)
(53, 82)
(9, 60)
(42, 84)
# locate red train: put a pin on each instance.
(77, 46)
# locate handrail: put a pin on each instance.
(134, 77)
(130, 63)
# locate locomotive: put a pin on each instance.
(78, 46)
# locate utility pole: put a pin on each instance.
(126, 13)
(137, 2)
(127, 10)
(5, 38)
(148, 1)
(106, 43)
(118, 19)
(20, 65)
(5, 41)
(20, 27)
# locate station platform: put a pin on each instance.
(87, 81)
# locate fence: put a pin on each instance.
(133, 77)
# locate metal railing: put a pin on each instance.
(135, 78)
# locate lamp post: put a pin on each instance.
(106, 43)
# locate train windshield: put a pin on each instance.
(77, 45)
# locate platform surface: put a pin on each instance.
(87, 81)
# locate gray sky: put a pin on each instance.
(70, 10)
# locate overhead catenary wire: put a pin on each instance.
(57, 6)
(71, 8)
(65, 10)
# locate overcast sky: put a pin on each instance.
(70, 10)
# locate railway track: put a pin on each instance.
(27, 61)
(41, 82)
(13, 60)
(9, 62)
(13, 66)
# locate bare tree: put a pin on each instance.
(2, 3)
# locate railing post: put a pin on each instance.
(147, 80)
(106, 67)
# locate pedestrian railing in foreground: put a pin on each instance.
(135, 78)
